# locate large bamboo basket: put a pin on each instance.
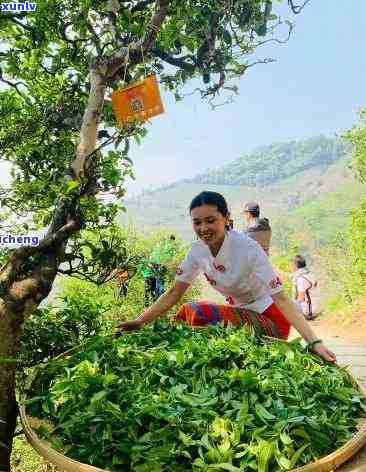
(325, 464)
(65, 464)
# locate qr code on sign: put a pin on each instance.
(137, 104)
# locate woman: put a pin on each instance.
(237, 267)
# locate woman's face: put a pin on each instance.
(209, 224)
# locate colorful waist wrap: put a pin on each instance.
(270, 323)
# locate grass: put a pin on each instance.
(25, 459)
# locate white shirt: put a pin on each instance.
(241, 271)
(304, 280)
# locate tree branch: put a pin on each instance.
(174, 61)
(19, 23)
(14, 85)
(133, 53)
(276, 40)
(141, 5)
(89, 127)
(296, 9)
(95, 36)
(10, 272)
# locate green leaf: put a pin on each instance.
(225, 466)
(71, 185)
(263, 413)
(286, 439)
(296, 456)
(97, 397)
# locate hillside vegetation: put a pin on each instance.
(317, 175)
(270, 164)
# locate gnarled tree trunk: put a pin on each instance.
(28, 276)
(20, 295)
(9, 346)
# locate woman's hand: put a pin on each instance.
(130, 325)
(322, 351)
(297, 320)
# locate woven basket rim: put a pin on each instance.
(327, 463)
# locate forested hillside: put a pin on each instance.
(314, 169)
(270, 164)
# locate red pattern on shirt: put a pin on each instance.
(209, 280)
(219, 268)
(274, 283)
(230, 300)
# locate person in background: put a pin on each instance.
(154, 269)
(257, 228)
(146, 269)
(236, 267)
(305, 288)
(121, 279)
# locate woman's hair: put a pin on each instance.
(210, 198)
(299, 261)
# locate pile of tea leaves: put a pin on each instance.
(169, 398)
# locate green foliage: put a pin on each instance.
(357, 234)
(317, 222)
(172, 398)
(357, 237)
(270, 164)
(52, 330)
(357, 138)
(45, 69)
(83, 309)
(94, 255)
(318, 229)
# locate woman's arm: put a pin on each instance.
(160, 307)
(297, 320)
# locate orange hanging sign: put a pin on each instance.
(139, 101)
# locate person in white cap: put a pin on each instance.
(257, 228)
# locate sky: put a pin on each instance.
(316, 86)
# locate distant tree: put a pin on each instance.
(357, 232)
(59, 66)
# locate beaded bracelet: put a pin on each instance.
(310, 346)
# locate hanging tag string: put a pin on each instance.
(143, 61)
(126, 63)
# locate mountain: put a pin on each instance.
(281, 177)
(270, 164)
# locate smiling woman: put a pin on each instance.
(238, 268)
